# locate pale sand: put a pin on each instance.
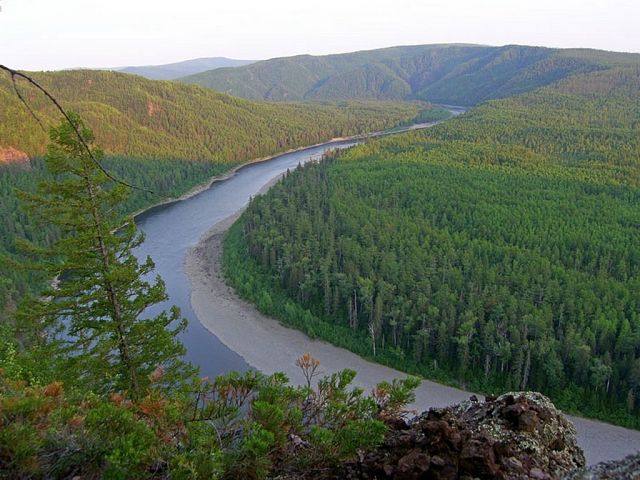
(270, 347)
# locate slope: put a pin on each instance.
(497, 250)
(149, 119)
(453, 74)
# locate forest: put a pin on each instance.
(454, 74)
(171, 177)
(497, 251)
(141, 118)
(94, 386)
(161, 136)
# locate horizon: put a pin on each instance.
(121, 34)
(255, 60)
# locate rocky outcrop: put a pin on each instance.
(12, 156)
(626, 469)
(152, 108)
(515, 436)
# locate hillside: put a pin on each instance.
(141, 118)
(449, 74)
(171, 71)
(164, 136)
(497, 250)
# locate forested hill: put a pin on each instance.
(450, 74)
(164, 136)
(141, 118)
(498, 250)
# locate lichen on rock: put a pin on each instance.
(519, 435)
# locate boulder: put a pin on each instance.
(514, 436)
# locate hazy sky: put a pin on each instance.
(50, 34)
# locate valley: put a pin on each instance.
(463, 214)
(497, 250)
(164, 137)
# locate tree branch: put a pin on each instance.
(14, 73)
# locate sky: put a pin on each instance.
(55, 34)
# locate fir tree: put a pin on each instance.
(96, 306)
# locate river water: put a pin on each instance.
(170, 230)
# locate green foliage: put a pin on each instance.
(498, 249)
(449, 74)
(120, 415)
(171, 177)
(126, 443)
(243, 426)
(433, 114)
(359, 435)
(251, 459)
(46, 432)
(140, 118)
(101, 292)
(166, 137)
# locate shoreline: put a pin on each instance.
(199, 188)
(236, 322)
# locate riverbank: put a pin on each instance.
(268, 346)
(234, 170)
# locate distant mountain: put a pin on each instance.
(171, 71)
(457, 74)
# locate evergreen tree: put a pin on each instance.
(96, 306)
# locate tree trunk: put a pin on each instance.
(123, 345)
(353, 311)
(372, 333)
(525, 373)
(487, 365)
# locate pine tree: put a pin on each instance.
(96, 306)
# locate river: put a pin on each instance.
(172, 230)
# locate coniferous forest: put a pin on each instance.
(142, 118)
(454, 74)
(92, 387)
(163, 136)
(498, 250)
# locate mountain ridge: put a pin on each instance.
(174, 70)
(155, 119)
(460, 74)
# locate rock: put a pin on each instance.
(296, 442)
(538, 474)
(413, 463)
(514, 436)
(12, 156)
(626, 469)
(528, 421)
(512, 463)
